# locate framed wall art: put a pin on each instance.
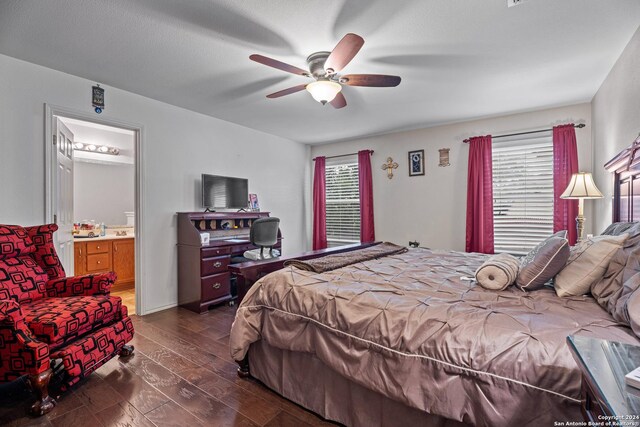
(416, 163)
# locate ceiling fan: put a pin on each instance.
(324, 68)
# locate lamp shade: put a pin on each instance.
(323, 90)
(581, 186)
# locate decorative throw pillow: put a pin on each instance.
(498, 272)
(609, 285)
(543, 262)
(587, 264)
(617, 228)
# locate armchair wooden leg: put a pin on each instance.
(126, 350)
(243, 368)
(40, 386)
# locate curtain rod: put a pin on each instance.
(342, 155)
(579, 126)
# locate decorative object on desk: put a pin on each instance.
(581, 187)
(97, 98)
(414, 244)
(254, 206)
(416, 162)
(204, 238)
(389, 167)
(444, 157)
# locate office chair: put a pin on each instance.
(264, 234)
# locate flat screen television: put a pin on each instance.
(224, 192)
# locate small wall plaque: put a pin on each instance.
(444, 157)
(97, 98)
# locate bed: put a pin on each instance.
(402, 340)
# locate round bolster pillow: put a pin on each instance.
(498, 272)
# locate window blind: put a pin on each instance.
(522, 193)
(343, 201)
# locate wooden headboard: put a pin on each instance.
(625, 167)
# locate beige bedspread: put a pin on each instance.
(406, 326)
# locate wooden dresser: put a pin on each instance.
(98, 256)
(203, 270)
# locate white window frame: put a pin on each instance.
(522, 192)
(343, 209)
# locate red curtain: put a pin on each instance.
(365, 185)
(480, 196)
(319, 205)
(565, 164)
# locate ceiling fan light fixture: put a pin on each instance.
(324, 91)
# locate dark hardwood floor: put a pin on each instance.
(181, 374)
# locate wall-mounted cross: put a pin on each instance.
(389, 167)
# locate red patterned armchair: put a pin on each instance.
(47, 320)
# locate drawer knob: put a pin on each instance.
(217, 264)
(216, 285)
(98, 247)
(99, 262)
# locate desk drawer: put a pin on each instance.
(98, 247)
(98, 262)
(213, 265)
(210, 252)
(216, 286)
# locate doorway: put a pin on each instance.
(93, 194)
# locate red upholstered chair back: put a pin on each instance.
(26, 266)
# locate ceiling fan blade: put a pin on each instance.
(343, 53)
(339, 101)
(373, 80)
(288, 91)
(270, 62)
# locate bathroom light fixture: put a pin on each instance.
(92, 148)
(324, 91)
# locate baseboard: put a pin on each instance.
(156, 309)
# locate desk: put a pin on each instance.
(247, 273)
(204, 278)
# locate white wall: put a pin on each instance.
(177, 146)
(432, 208)
(616, 121)
(103, 192)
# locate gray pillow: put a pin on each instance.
(543, 262)
(498, 272)
(617, 228)
(607, 287)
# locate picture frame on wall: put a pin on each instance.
(416, 163)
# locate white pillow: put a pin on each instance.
(587, 264)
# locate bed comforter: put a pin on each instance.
(408, 327)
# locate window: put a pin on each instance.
(522, 193)
(343, 201)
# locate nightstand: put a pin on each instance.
(604, 393)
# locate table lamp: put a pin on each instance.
(581, 187)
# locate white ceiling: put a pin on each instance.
(458, 59)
